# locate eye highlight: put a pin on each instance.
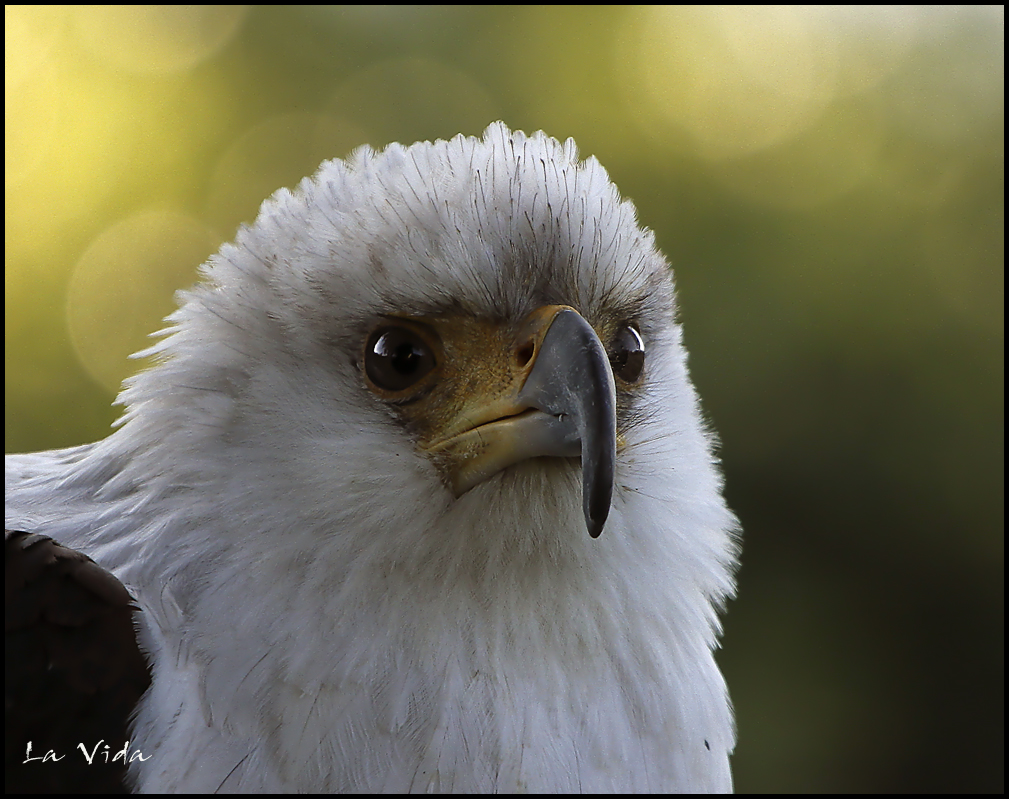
(627, 356)
(397, 357)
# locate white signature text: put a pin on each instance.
(91, 756)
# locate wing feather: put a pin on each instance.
(73, 672)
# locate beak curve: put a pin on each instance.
(564, 405)
(572, 382)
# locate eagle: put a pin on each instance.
(416, 496)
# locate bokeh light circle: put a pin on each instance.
(156, 39)
(123, 286)
(275, 153)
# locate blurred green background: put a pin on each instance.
(828, 184)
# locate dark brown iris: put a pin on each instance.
(397, 358)
(627, 354)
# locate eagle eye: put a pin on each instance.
(397, 358)
(628, 354)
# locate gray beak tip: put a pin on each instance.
(572, 379)
(596, 499)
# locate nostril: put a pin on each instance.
(525, 353)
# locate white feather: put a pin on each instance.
(321, 613)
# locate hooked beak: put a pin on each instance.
(559, 401)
